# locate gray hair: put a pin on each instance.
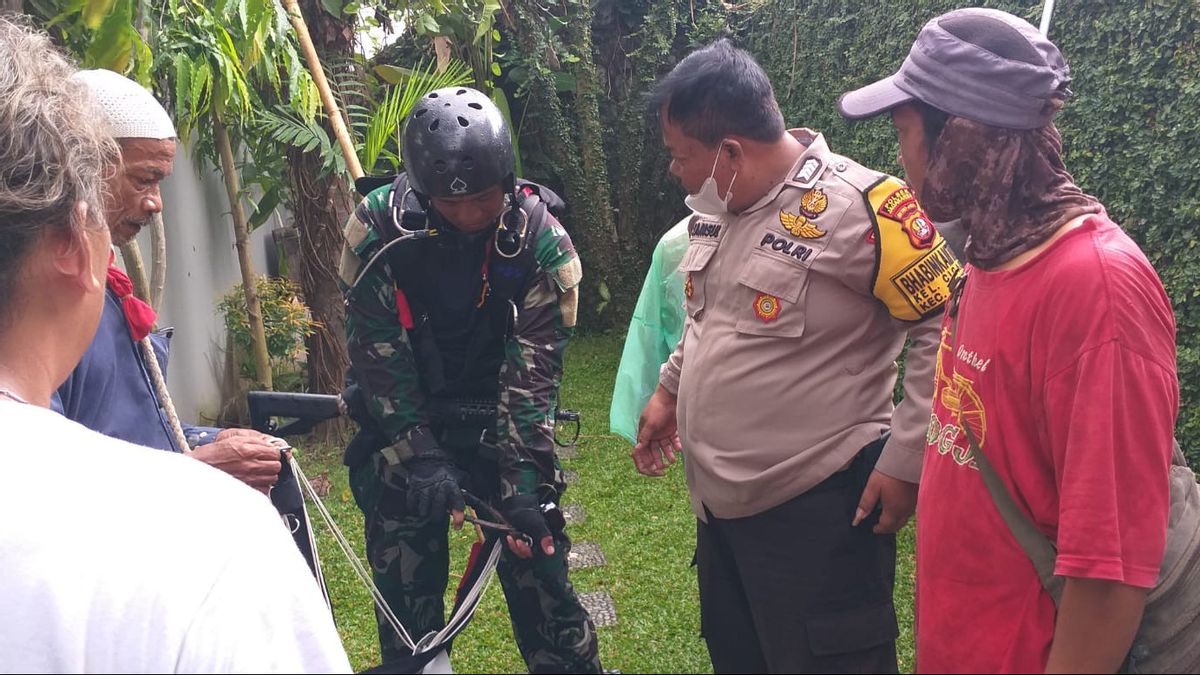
(53, 154)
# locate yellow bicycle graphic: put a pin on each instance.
(958, 396)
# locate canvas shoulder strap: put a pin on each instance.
(1041, 551)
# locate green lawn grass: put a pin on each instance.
(644, 526)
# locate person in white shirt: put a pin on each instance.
(113, 557)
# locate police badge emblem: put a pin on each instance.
(814, 202)
(688, 289)
(799, 226)
(766, 307)
(901, 206)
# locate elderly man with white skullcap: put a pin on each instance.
(116, 389)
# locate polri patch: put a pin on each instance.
(787, 247)
(901, 206)
(914, 266)
(688, 288)
(766, 307)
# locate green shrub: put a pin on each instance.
(286, 321)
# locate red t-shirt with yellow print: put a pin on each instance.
(1064, 369)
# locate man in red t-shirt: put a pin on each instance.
(1061, 365)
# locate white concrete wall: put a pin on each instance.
(201, 267)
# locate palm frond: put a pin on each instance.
(384, 127)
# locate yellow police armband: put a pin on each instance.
(914, 264)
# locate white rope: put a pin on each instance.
(432, 640)
(164, 396)
(312, 543)
(355, 563)
(470, 602)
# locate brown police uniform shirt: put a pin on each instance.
(797, 309)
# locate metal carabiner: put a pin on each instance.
(519, 235)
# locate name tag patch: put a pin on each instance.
(704, 229)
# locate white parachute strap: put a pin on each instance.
(164, 397)
(469, 604)
(432, 640)
(348, 550)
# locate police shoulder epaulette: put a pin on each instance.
(913, 264)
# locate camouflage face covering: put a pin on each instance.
(1009, 186)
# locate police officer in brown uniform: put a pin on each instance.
(805, 273)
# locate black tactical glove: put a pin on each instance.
(433, 485)
(524, 513)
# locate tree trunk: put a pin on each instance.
(241, 231)
(321, 205)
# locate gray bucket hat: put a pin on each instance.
(982, 64)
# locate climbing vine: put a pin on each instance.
(1131, 133)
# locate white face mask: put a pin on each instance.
(708, 200)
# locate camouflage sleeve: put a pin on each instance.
(533, 366)
(381, 356)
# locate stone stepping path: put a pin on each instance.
(585, 554)
(573, 514)
(600, 607)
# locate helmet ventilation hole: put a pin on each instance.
(462, 122)
(433, 95)
(420, 112)
(460, 92)
(435, 125)
(475, 106)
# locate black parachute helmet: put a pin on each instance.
(456, 142)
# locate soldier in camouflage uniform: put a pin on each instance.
(475, 302)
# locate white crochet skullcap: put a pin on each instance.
(132, 111)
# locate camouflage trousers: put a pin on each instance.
(410, 563)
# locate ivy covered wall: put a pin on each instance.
(1132, 131)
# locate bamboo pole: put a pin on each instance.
(327, 99)
(258, 335)
(158, 257)
(136, 269)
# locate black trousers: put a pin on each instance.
(796, 589)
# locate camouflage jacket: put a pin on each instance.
(384, 366)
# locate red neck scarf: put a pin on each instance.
(138, 315)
